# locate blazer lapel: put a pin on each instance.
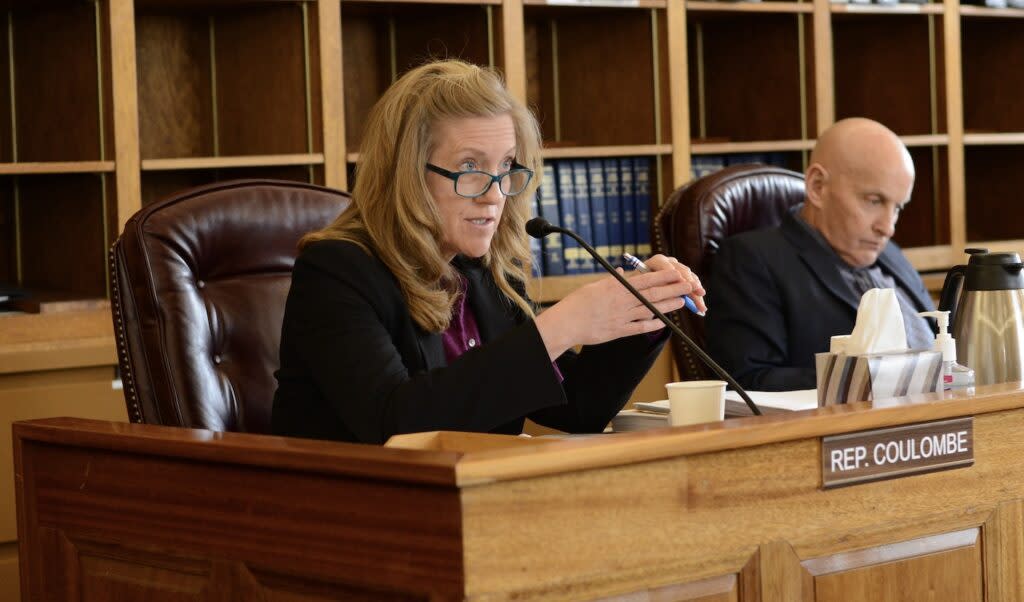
(489, 307)
(431, 349)
(820, 263)
(904, 274)
(493, 312)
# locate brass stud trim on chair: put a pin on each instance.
(127, 379)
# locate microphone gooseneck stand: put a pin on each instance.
(538, 227)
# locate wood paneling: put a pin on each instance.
(1003, 538)
(8, 236)
(175, 106)
(375, 38)
(269, 521)
(86, 393)
(763, 52)
(124, 100)
(46, 75)
(157, 185)
(925, 221)
(331, 137)
(10, 588)
(66, 254)
(993, 75)
(781, 577)
(261, 111)
(440, 32)
(716, 589)
(606, 96)
(540, 72)
(366, 70)
(747, 521)
(898, 95)
(992, 191)
(935, 568)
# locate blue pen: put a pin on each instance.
(641, 267)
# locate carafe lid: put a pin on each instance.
(993, 271)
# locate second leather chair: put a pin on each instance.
(699, 214)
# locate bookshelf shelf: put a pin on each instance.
(897, 9)
(938, 257)
(993, 139)
(399, 2)
(762, 146)
(574, 152)
(993, 13)
(749, 7)
(995, 246)
(56, 167)
(925, 140)
(553, 288)
(239, 161)
(593, 4)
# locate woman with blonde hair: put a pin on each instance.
(408, 313)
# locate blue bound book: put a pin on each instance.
(567, 208)
(613, 198)
(536, 249)
(599, 209)
(642, 183)
(584, 225)
(628, 194)
(554, 260)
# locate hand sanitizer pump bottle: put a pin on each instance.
(954, 375)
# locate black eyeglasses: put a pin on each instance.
(472, 184)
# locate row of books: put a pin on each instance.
(702, 165)
(606, 201)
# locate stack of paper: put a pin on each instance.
(636, 420)
(654, 414)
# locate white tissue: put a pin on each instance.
(879, 327)
(837, 344)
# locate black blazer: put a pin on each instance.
(356, 367)
(776, 297)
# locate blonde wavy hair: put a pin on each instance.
(394, 216)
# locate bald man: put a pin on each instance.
(777, 295)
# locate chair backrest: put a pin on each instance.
(199, 287)
(699, 214)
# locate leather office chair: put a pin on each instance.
(199, 285)
(699, 214)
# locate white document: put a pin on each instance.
(768, 401)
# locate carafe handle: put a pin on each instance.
(949, 298)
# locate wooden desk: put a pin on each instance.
(732, 511)
(50, 365)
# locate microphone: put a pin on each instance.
(539, 227)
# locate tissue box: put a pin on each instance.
(842, 378)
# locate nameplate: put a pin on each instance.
(896, 452)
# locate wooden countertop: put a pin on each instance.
(33, 342)
(464, 460)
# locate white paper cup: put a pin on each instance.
(696, 401)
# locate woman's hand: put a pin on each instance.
(661, 262)
(604, 310)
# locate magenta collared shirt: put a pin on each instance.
(463, 333)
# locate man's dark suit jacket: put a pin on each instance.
(776, 297)
(356, 367)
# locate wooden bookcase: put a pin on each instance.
(115, 103)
